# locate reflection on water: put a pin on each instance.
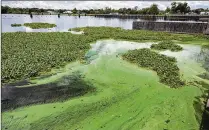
(108, 47)
(192, 60)
(205, 58)
(63, 23)
(193, 53)
(74, 32)
(111, 47)
(188, 52)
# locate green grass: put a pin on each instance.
(16, 25)
(127, 97)
(39, 25)
(166, 45)
(165, 66)
(25, 55)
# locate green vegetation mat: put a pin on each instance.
(39, 25)
(166, 45)
(165, 66)
(25, 55)
(126, 96)
(16, 25)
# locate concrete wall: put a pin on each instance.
(207, 30)
(178, 27)
(154, 17)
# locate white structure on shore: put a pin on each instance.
(51, 12)
(204, 13)
(67, 12)
(114, 13)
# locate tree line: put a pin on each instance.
(176, 8)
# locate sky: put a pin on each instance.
(98, 4)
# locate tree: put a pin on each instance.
(180, 7)
(198, 10)
(122, 10)
(107, 10)
(183, 7)
(173, 7)
(4, 9)
(30, 11)
(74, 11)
(154, 9)
(168, 10)
(145, 11)
(42, 10)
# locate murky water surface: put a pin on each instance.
(63, 23)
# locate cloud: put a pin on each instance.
(98, 4)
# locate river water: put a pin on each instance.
(63, 23)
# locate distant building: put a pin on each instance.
(67, 12)
(51, 12)
(204, 13)
(33, 13)
(114, 13)
(191, 13)
(97, 12)
(82, 13)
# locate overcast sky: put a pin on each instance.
(98, 4)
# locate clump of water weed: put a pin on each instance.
(166, 45)
(39, 25)
(165, 66)
(16, 25)
(44, 51)
(204, 75)
(76, 29)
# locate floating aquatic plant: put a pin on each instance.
(166, 45)
(16, 25)
(39, 25)
(26, 54)
(165, 66)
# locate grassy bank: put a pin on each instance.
(25, 55)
